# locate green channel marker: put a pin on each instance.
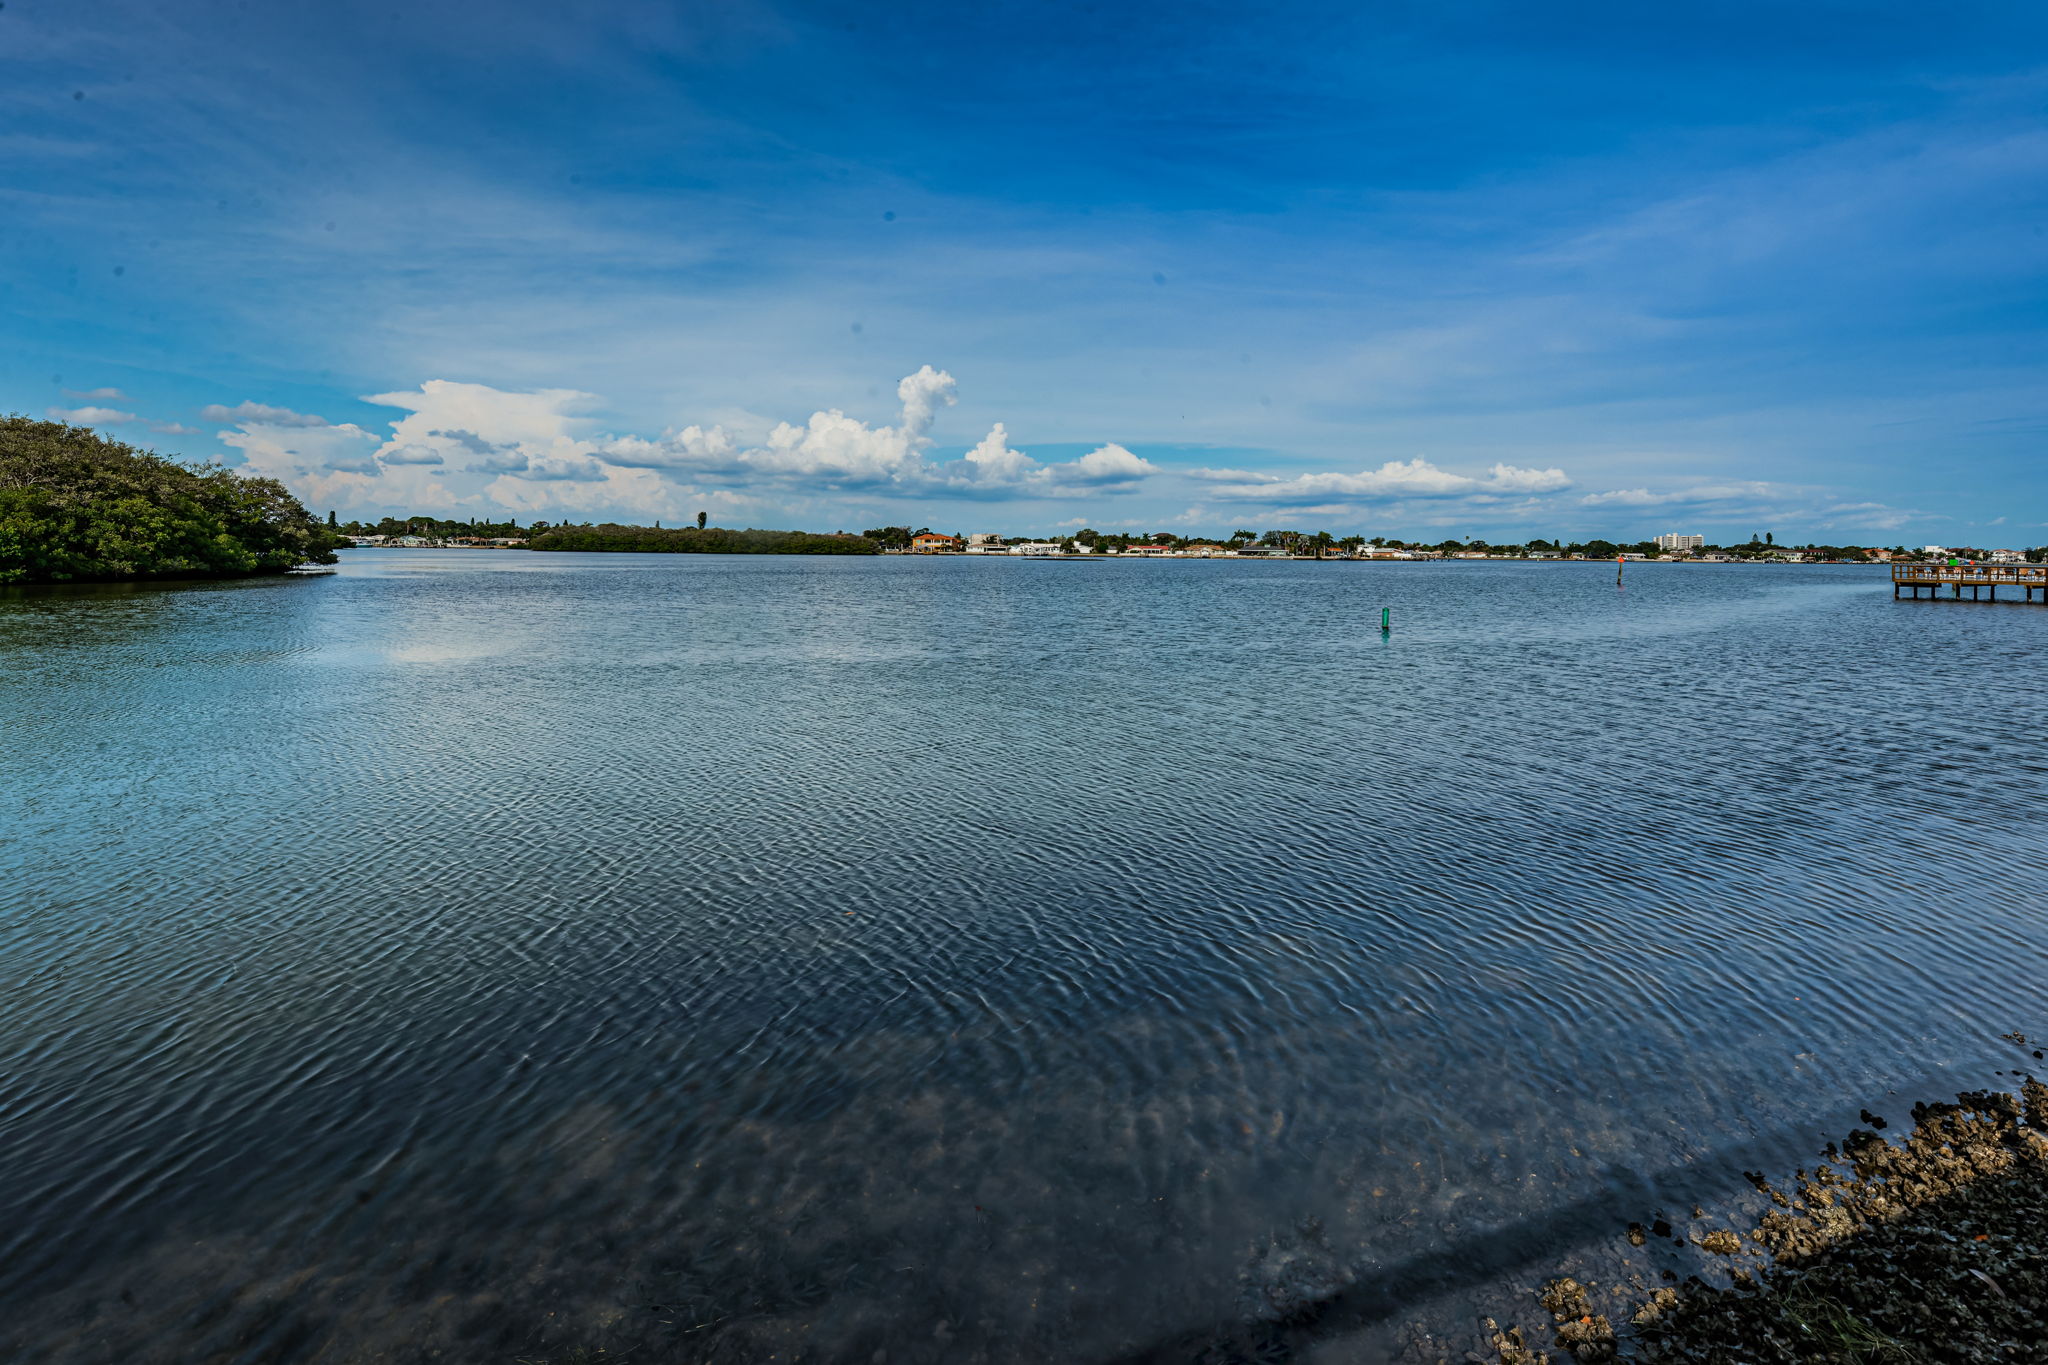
(1386, 619)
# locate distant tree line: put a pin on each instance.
(714, 540)
(76, 507)
(437, 528)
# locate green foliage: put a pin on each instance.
(890, 537)
(76, 507)
(714, 540)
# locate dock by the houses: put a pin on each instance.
(1983, 580)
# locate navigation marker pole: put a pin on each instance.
(1386, 620)
(1619, 565)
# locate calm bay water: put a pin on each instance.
(476, 955)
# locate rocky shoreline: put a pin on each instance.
(1932, 1249)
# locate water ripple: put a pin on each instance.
(494, 954)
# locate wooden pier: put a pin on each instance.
(1986, 579)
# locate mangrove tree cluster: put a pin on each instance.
(714, 540)
(76, 507)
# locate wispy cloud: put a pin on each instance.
(409, 455)
(249, 413)
(1416, 478)
(1697, 495)
(92, 416)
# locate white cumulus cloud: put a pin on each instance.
(466, 444)
(1110, 464)
(922, 395)
(993, 458)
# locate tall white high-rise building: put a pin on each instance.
(1675, 542)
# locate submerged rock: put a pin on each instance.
(1293, 1274)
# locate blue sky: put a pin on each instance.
(1415, 269)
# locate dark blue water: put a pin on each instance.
(481, 955)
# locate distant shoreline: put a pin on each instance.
(1337, 556)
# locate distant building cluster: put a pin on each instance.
(1289, 545)
(1988, 556)
(987, 543)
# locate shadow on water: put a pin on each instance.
(1497, 1269)
(18, 592)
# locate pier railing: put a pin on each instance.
(1973, 575)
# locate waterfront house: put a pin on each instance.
(1203, 551)
(984, 543)
(932, 543)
